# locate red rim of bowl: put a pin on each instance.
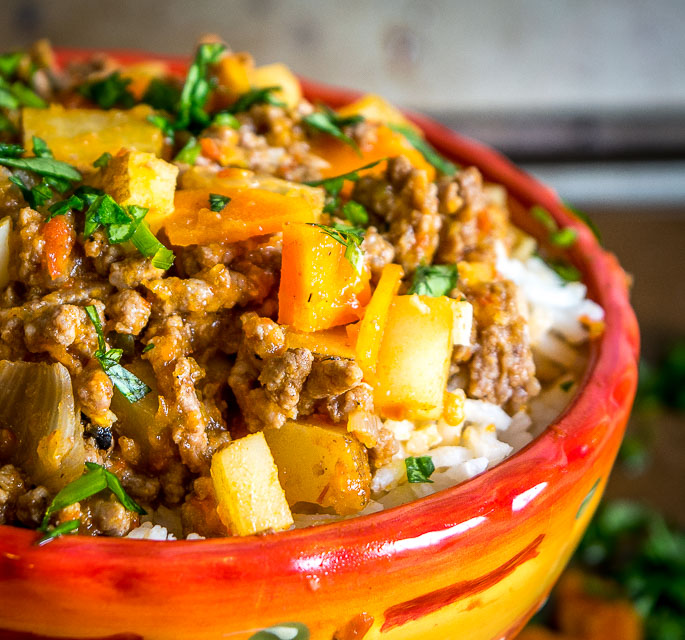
(616, 348)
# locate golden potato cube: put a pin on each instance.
(414, 358)
(137, 177)
(277, 75)
(81, 136)
(376, 109)
(249, 496)
(321, 464)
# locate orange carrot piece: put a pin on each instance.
(342, 158)
(375, 318)
(58, 236)
(250, 212)
(319, 287)
(330, 342)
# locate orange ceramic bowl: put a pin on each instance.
(473, 562)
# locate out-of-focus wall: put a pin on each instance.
(441, 55)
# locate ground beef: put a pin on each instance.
(406, 202)
(378, 252)
(133, 271)
(94, 391)
(102, 254)
(31, 506)
(11, 488)
(28, 247)
(199, 514)
(330, 377)
(502, 370)
(267, 400)
(128, 312)
(470, 228)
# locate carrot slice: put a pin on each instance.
(58, 236)
(250, 212)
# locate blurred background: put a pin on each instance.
(587, 95)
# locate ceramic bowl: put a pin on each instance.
(473, 562)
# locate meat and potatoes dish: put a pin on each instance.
(225, 310)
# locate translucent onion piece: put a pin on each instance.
(37, 404)
(5, 229)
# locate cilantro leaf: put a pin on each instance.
(40, 148)
(545, 218)
(105, 211)
(425, 149)
(95, 479)
(565, 270)
(434, 280)
(73, 202)
(351, 238)
(148, 347)
(109, 92)
(264, 95)
(332, 186)
(197, 86)
(27, 97)
(328, 121)
(356, 213)
(162, 95)
(60, 529)
(163, 123)
(584, 217)
(419, 469)
(6, 124)
(43, 167)
(103, 160)
(563, 237)
(225, 119)
(217, 202)
(189, 153)
(131, 387)
(9, 63)
(8, 150)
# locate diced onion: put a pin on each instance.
(37, 405)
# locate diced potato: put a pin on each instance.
(249, 497)
(81, 136)
(463, 322)
(321, 464)
(376, 109)
(137, 177)
(139, 420)
(414, 358)
(473, 273)
(142, 74)
(278, 75)
(232, 72)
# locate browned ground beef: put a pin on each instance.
(502, 370)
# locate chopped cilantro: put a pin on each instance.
(40, 148)
(225, 119)
(565, 270)
(43, 167)
(8, 150)
(565, 237)
(419, 469)
(9, 63)
(356, 213)
(434, 280)
(132, 388)
(544, 218)
(584, 217)
(147, 243)
(217, 202)
(148, 347)
(95, 479)
(426, 150)
(189, 153)
(111, 91)
(162, 95)
(328, 121)
(103, 160)
(334, 185)
(264, 95)
(351, 238)
(163, 123)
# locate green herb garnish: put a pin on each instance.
(425, 149)
(132, 388)
(109, 92)
(434, 280)
(40, 148)
(165, 124)
(162, 95)
(148, 347)
(564, 270)
(265, 95)
(561, 237)
(9, 63)
(225, 119)
(334, 185)
(584, 217)
(564, 238)
(217, 202)
(356, 213)
(103, 160)
(328, 121)
(566, 385)
(419, 469)
(59, 530)
(197, 87)
(147, 243)
(43, 167)
(189, 153)
(351, 238)
(545, 218)
(95, 479)
(8, 150)
(17, 94)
